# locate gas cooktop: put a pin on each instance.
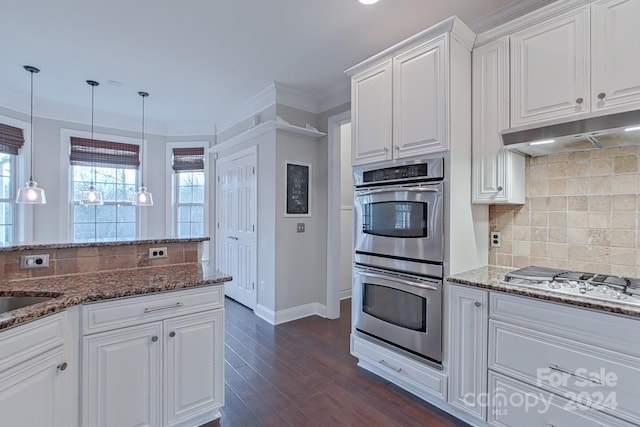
(588, 285)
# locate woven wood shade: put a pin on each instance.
(188, 159)
(87, 152)
(11, 139)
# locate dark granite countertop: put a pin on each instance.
(77, 289)
(66, 245)
(491, 277)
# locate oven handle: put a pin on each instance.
(429, 189)
(398, 280)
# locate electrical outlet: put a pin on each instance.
(155, 253)
(300, 228)
(496, 239)
(34, 261)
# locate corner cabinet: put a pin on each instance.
(400, 98)
(468, 317)
(576, 63)
(498, 173)
(154, 360)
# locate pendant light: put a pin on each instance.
(31, 193)
(92, 197)
(142, 196)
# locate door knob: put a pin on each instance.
(154, 338)
(602, 95)
(477, 304)
(62, 366)
(172, 334)
(579, 100)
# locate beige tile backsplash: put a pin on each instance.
(581, 212)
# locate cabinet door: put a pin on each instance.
(498, 174)
(122, 377)
(371, 115)
(468, 332)
(615, 64)
(420, 87)
(35, 393)
(194, 359)
(550, 69)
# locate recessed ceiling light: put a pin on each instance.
(367, 2)
(114, 83)
(543, 142)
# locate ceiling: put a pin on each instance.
(200, 59)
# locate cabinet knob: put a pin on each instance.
(579, 101)
(500, 188)
(154, 338)
(62, 366)
(386, 149)
(477, 304)
(602, 95)
(172, 334)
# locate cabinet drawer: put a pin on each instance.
(103, 316)
(31, 339)
(404, 370)
(596, 377)
(601, 329)
(519, 405)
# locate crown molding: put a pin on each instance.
(335, 99)
(507, 13)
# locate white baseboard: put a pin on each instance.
(289, 314)
(344, 294)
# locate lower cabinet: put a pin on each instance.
(468, 317)
(37, 380)
(166, 372)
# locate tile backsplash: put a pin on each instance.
(581, 213)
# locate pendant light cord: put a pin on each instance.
(93, 143)
(144, 95)
(31, 155)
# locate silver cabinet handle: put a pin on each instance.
(172, 334)
(602, 95)
(477, 304)
(62, 366)
(232, 237)
(390, 366)
(154, 338)
(582, 377)
(167, 307)
(579, 101)
(398, 280)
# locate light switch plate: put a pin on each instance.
(301, 227)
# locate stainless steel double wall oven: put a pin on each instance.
(399, 221)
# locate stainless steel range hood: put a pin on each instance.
(612, 130)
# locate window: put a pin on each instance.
(112, 168)
(11, 141)
(188, 165)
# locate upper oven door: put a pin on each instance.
(404, 221)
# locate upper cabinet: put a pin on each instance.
(400, 98)
(550, 69)
(498, 174)
(578, 62)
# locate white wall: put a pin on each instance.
(346, 211)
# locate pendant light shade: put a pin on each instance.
(91, 196)
(142, 196)
(31, 193)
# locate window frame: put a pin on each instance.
(172, 183)
(22, 213)
(66, 177)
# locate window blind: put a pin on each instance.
(88, 152)
(188, 159)
(11, 139)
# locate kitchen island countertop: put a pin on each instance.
(492, 278)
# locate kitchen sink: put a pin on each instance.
(9, 303)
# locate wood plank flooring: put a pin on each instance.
(301, 374)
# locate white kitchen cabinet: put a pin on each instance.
(371, 114)
(37, 380)
(550, 69)
(156, 360)
(194, 354)
(401, 98)
(615, 63)
(498, 174)
(468, 313)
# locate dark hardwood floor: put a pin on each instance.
(301, 374)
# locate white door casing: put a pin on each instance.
(236, 211)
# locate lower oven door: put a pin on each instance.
(403, 310)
